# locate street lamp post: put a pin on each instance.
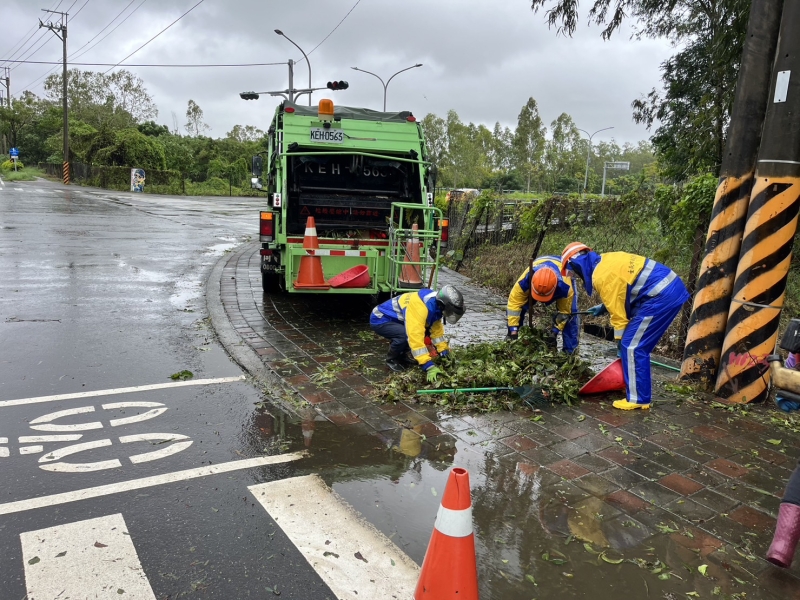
(386, 85)
(308, 62)
(588, 152)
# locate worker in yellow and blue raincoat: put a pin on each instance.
(407, 319)
(545, 285)
(642, 296)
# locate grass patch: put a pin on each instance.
(24, 174)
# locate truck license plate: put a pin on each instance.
(331, 136)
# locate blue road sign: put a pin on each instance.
(13, 152)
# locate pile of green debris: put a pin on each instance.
(554, 376)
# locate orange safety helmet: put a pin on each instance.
(543, 284)
(571, 250)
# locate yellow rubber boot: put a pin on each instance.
(625, 405)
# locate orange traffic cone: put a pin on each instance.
(410, 273)
(310, 276)
(610, 379)
(450, 570)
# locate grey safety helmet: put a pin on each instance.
(451, 302)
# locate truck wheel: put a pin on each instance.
(270, 282)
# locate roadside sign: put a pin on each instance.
(137, 180)
(620, 165)
(13, 152)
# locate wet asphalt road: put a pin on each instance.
(102, 290)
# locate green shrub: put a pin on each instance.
(9, 165)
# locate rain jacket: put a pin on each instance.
(622, 281)
(564, 297)
(421, 315)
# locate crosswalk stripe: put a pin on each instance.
(94, 558)
(145, 482)
(352, 557)
(125, 390)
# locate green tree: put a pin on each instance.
(435, 130)
(528, 143)
(245, 133)
(699, 79)
(563, 155)
(14, 118)
(194, 119)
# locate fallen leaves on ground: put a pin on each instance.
(554, 376)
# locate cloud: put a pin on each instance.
(482, 59)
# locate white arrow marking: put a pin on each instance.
(125, 390)
(88, 559)
(36, 423)
(38, 439)
(145, 482)
(31, 449)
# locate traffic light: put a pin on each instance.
(248, 96)
(338, 85)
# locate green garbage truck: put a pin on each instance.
(364, 177)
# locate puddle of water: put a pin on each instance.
(220, 249)
(537, 535)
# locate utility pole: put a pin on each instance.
(7, 79)
(588, 153)
(759, 287)
(712, 298)
(61, 33)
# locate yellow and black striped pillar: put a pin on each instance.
(766, 252)
(714, 287)
(65, 171)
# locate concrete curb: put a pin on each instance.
(236, 347)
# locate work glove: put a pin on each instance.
(785, 404)
(791, 360)
(513, 334)
(444, 353)
(597, 310)
(561, 320)
(432, 373)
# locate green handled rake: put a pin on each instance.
(526, 393)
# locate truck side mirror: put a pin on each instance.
(258, 165)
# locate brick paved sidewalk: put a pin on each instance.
(681, 467)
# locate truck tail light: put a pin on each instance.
(444, 224)
(267, 228)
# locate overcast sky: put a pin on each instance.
(482, 58)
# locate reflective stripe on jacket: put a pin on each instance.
(521, 292)
(623, 280)
(421, 315)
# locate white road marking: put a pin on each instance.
(125, 390)
(19, 190)
(38, 425)
(31, 449)
(3, 440)
(156, 454)
(145, 482)
(37, 439)
(95, 558)
(4, 453)
(63, 467)
(150, 414)
(329, 533)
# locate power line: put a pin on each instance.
(32, 32)
(42, 45)
(158, 34)
(77, 12)
(77, 64)
(332, 30)
(78, 53)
